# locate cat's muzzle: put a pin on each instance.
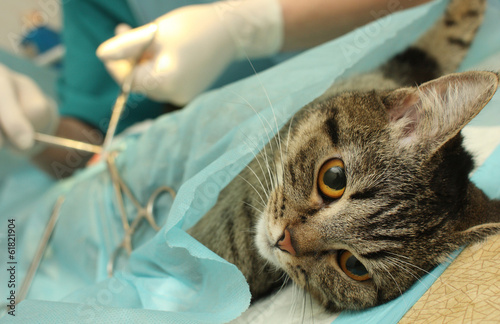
(285, 243)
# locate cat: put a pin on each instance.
(369, 189)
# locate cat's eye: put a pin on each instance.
(331, 179)
(352, 267)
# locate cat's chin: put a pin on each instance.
(264, 243)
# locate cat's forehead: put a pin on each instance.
(341, 118)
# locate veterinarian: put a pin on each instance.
(190, 49)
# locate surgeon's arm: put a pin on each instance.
(181, 42)
(312, 22)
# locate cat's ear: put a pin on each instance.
(436, 111)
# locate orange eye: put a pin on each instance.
(352, 267)
(332, 179)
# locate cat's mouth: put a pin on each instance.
(270, 240)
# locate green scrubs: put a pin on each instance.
(85, 89)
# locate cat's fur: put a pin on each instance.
(408, 202)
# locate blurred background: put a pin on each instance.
(31, 29)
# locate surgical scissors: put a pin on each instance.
(143, 212)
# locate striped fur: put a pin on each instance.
(408, 201)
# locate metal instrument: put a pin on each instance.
(143, 212)
(118, 107)
(120, 188)
(40, 250)
(66, 142)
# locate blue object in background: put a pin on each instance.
(42, 38)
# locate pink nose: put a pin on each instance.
(285, 243)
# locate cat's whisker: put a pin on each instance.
(267, 264)
(272, 175)
(394, 280)
(297, 301)
(288, 141)
(266, 193)
(413, 265)
(437, 278)
(262, 202)
(263, 267)
(252, 206)
(310, 303)
(276, 178)
(259, 115)
(295, 295)
(266, 160)
(384, 266)
(281, 158)
(304, 306)
(280, 146)
(398, 255)
(401, 263)
(288, 133)
(285, 278)
(256, 156)
(286, 152)
(277, 137)
(411, 273)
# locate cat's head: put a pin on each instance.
(373, 190)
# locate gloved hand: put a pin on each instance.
(188, 48)
(24, 109)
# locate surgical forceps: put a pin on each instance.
(118, 107)
(143, 212)
(119, 185)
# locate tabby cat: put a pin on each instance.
(370, 189)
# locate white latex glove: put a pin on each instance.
(192, 46)
(24, 109)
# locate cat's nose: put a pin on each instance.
(285, 243)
